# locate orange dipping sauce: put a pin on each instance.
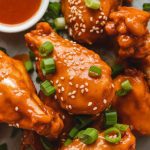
(17, 11)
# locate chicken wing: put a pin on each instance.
(76, 91)
(134, 108)
(127, 143)
(86, 25)
(20, 106)
(129, 25)
(67, 119)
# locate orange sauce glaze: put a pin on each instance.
(17, 11)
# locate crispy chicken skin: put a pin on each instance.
(20, 106)
(129, 25)
(134, 108)
(127, 143)
(86, 25)
(76, 91)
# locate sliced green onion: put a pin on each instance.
(54, 10)
(121, 92)
(111, 118)
(29, 65)
(73, 132)
(60, 23)
(146, 6)
(79, 134)
(89, 136)
(122, 127)
(48, 65)
(67, 142)
(95, 71)
(46, 48)
(126, 85)
(32, 56)
(117, 69)
(93, 4)
(47, 88)
(112, 135)
(3, 49)
(3, 146)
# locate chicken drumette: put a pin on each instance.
(20, 106)
(134, 107)
(129, 25)
(86, 25)
(76, 91)
(127, 143)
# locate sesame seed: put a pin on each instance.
(69, 94)
(62, 99)
(90, 103)
(55, 97)
(59, 91)
(70, 83)
(62, 89)
(59, 85)
(63, 116)
(112, 85)
(74, 92)
(95, 108)
(104, 101)
(36, 58)
(86, 84)
(62, 78)
(71, 77)
(82, 86)
(57, 81)
(86, 89)
(17, 125)
(70, 107)
(98, 114)
(16, 108)
(73, 97)
(82, 91)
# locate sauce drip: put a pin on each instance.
(17, 11)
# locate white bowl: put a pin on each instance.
(28, 23)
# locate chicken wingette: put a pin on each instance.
(127, 143)
(20, 106)
(86, 25)
(129, 25)
(76, 91)
(133, 107)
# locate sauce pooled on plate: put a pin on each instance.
(17, 11)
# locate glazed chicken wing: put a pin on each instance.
(76, 91)
(134, 108)
(129, 25)
(86, 25)
(31, 139)
(127, 143)
(20, 106)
